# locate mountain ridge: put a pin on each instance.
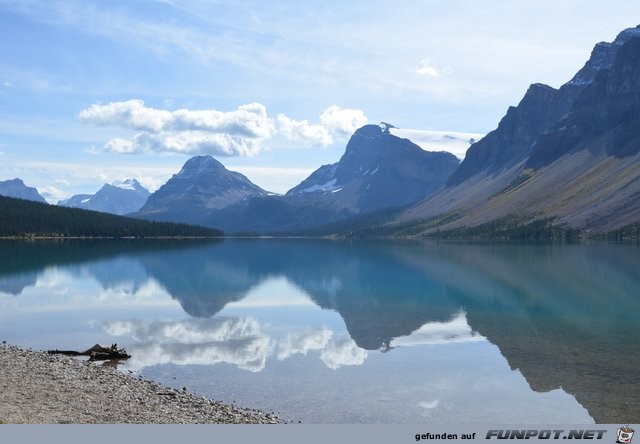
(120, 198)
(16, 188)
(577, 167)
(202, 184)
(377, 170)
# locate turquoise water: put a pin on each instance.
(328, 331)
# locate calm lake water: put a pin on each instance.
(348, 332)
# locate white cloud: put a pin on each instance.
(334, 122)
(132, 114)
(342, 121)
(455, 142)
(248, 120)
(303, 131)
(52, 194)
(122, 146)
(425, 68)
(185, 142)
(240, 132)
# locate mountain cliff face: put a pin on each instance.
(118, 198)
(377, 171)
(571, 155)
(518, 130)
(202, 185)
(17, 189)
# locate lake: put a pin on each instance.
(327, 331)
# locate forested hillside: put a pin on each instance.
(24, 218)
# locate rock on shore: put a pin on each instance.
(36, 387)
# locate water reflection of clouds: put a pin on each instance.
(233, 340)
(241, 341)
(303, 342)
(70, 289)
(343, 351)
(273, 292)
(456, 330)
(428, 409)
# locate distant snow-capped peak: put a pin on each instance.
(128, 184)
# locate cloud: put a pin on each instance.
(303, 131)
(334, 122)
(455, 142)
(234, 133)
(342, 121)
(122, 146)
(425, 68)
(52, 194)
(132, 114)
(240, 132)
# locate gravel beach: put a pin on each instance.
(37, 388)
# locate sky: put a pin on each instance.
(97, 91)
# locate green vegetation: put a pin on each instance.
(512, 228)
(23, 218)
(629, 232)
(507, 228)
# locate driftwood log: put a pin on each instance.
(96, 353)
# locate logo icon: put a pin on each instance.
(624, 435)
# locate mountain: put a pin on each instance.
(202, 185)
(377, 171)
(118, 198)
(570, 156)
(21, 218)
(17, 189)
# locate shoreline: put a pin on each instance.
(41, 388)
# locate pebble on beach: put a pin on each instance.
(38, 388)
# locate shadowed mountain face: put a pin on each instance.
(119, 198)
(202, 185)
(17, 189)
(518, 130)
(572, 155)
(377, 171)
(562, 315)
(606, 116)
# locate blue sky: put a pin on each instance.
(96, 91)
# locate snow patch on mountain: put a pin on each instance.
(129, 184)
(329, 186)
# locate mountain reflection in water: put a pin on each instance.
(565, 316)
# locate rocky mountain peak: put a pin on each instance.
(17, 188)
(128, 184)
(199, 165)
(602, 57)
